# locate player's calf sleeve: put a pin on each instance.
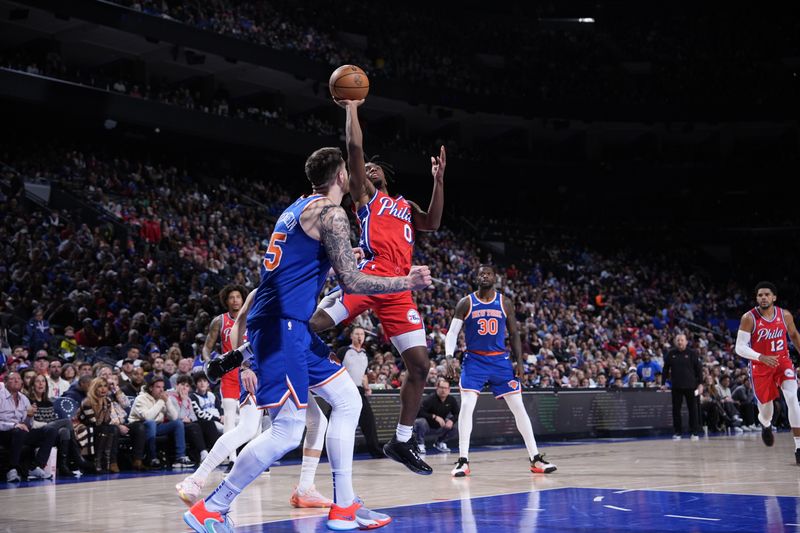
(343, 397)
(789, 388)
(468, 402)
(523, 421)
(316, 424)
(765, 413)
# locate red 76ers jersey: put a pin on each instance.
(387, 235)
(769, 336)
(225, 333)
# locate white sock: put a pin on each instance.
(220, 500)
(307, 472)
(797, 443)
(523, 421)
(468, 402)
(246, 429)
(403, 433)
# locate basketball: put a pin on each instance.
(349, 82)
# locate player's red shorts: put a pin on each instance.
(229, 385)
(767, 380)
(397, 312)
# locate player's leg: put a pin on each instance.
(230, 408)
(789, 388)
(283, 388)
(765, 389)
(347, 512)
(401, 322)
(525, 428)
(505, 385)
(305, 495)
(469, 399)
(288, 423)
(249, 422)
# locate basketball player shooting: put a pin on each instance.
(388, 229)
(762, 338)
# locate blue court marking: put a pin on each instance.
(576, 509)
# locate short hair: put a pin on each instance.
(185, 378)
(227, 290)
(322, 165)
(487, 265)
(767, 285)
(148, 384)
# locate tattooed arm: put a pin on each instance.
(334, 232)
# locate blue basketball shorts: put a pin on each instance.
(477, 370)
(284, 363)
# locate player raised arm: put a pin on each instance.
(432, 219)
(334, 232)
(211, 337)
(361, 189)
(240, 324)
(513, 332)
(743, 342)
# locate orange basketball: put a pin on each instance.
(349, 82)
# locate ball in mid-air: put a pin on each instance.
(349, 82)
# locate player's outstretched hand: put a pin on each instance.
(438, 164)
(249, 381)
(420, 277)
(344, 104)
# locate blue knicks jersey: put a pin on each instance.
(485, 326)
(293, 270)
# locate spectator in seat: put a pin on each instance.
(77, 391)
(96, 413)
(206, 407)
(438, 414)
(68, 345)
(180, 398)
(151, 409)
(723, 390)
(69, 373)
(184, 369)
(41, 363)
(84, 369)
(44, 415)
(55, 384)
(38, 333)
(87, 336)
(133, 386)
(744, 399)
(647, 369)
(16, 430)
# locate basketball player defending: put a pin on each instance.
(309, 237)
(762, 338)
(305, 494)
(486, 315)
(231, 298)
(388, 228)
